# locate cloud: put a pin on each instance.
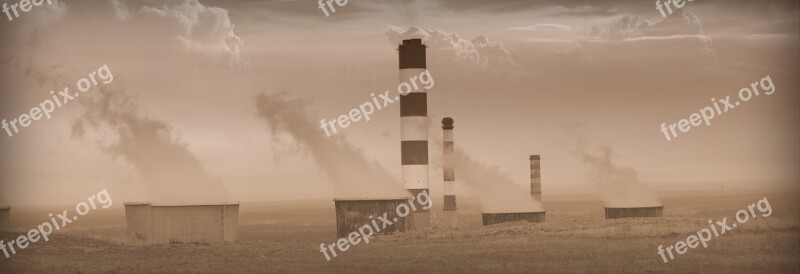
(543, 27)
(480, 52)
(120, 9)
(46, 14)
(201, 28)
(681, 23)
(586, 7)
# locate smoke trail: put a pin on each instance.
(353, 175)
(172, 172)
(619, 186)
(496, 192)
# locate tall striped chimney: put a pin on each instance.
(414, 126)
(450, 218)
(536, 180)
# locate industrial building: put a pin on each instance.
(154, 224)
(351, 214)
(497, 218)
(5, 218)
(634, 212)
(490, 218)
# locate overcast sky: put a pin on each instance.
(555, 78)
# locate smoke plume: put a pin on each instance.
(496, 192)
(619, 186)
(171, 171)
(352, 175)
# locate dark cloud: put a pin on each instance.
(593, 7)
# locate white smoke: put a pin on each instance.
(352, 175)
(496, 192)
(619, 186)
(172, 173)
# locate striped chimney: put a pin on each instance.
(536, 180)
(414, 126)
(449, 173)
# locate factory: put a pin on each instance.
(157, 224)
(490, 218)
(354, 212)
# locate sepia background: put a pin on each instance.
(585, 84)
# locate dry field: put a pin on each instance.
(285, 237)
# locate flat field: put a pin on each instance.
(285, 238)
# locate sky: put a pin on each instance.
(188, 110)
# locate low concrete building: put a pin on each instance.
(497, 218)
(5, 218)
(352, 214)
(634, 212)
(154, 224)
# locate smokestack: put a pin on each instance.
(450, 218)
(414, 126)
(536, 180)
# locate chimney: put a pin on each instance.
(450, 216)
(414, 126)
(536, 181)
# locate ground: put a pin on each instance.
(285, 237)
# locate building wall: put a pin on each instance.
(137, 219)
(231, 223)
(199, 223)
(5, 222)
(353, 214)
(497, 218)
(632, 212)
